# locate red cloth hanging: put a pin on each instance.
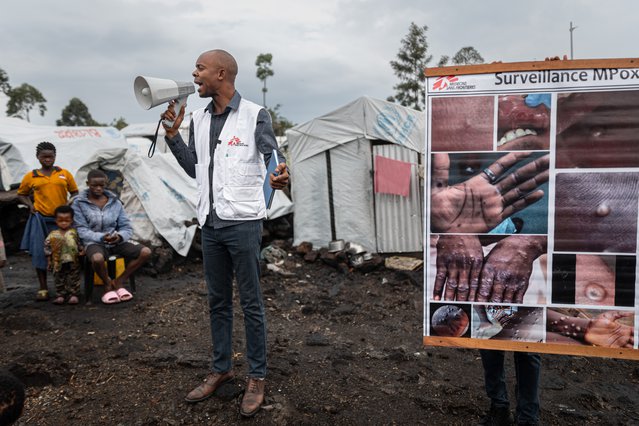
(392, 176)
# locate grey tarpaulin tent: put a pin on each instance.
(332, 163)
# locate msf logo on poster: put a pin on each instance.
(443, 82)
(450, 82)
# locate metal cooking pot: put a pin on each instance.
(355, 248)
(336, 245)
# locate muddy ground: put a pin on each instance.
(344, 349)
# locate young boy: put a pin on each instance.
(63, 249)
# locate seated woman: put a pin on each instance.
(105, 230)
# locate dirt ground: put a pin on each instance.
(344, 349)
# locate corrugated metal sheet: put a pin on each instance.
(399, 220)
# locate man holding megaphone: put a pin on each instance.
(230, 143)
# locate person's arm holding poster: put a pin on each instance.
(482, 202)
(506, 272)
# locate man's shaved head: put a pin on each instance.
(225, 60)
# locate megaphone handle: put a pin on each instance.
(178, 106)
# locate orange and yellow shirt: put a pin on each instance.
(49, 192)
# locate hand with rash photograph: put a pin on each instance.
(463, 274)
(482, 202)
(506, 272)
(459, 261)
(603, 330)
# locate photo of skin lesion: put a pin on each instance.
(598, 280)
(488, 268)
(597, 129)
(591, 327)
(486, 192)
(596, 212)
(462, 123)
(523, 122)
(516, 323)
(450, 320)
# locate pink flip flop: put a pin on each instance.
(110, 297)
(124, 294)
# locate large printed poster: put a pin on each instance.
(532, 201)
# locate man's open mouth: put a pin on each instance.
(521, 126)
(514, 134)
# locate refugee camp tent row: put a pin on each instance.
(356, 177)
(157, 194)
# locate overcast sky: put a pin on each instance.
(325, 53)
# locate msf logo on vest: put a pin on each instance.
(235, 141)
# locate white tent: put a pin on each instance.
(80, 147)
(166, 192)
(332, 165)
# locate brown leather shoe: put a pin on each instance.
(210, 385)
(253, 397)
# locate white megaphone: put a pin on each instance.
(151, 92)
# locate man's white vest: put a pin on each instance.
(238, 170)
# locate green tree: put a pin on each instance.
(76, 113)
(280, 123)
(5, 87)
(409, 68)
(119, 123)
(23, 99)
(443, 61)
(465, 56)
(264, 63)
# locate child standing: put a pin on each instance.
(63, 249)
(50, 186)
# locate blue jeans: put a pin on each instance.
(229, 250)
(527, 374)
